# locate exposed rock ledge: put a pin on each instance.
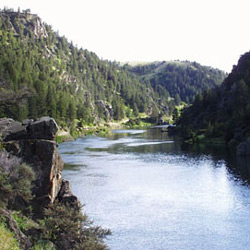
(34, 142)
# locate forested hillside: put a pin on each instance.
(224, 112)
(179, 80)
(42, 73)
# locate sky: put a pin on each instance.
(211, 32)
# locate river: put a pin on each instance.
(156, 194)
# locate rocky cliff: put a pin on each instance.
(28, 22)
(37, 207)
(33, 142)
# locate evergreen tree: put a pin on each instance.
(67, 83)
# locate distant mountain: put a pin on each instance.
(41, 73)
(223, 112)
(182, 80)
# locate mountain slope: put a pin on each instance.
(223, 112)
(42, 73)
(182, 80)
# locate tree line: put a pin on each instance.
(180, 80)
(42, 73)
(224, 112)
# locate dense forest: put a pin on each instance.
(179, 80)
(42, 73)
(224, 112)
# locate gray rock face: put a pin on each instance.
(33, 143)
(8, 127)
(106, 108)
(44, 158)
(244, 147)
(65, 195)
(43, 128)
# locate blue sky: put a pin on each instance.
(213, 33)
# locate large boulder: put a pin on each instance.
(42, 128)
(10, 128)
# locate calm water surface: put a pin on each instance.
(154, 193)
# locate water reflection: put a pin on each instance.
(154, 193)
(240, 168)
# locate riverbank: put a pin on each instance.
(77, 129)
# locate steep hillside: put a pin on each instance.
(42, 73)
(223, 112)
(179, 80)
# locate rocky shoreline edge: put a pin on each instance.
(32, 142)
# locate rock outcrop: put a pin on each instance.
(106, 109)
(33, 141)
(43, 128)
(29, 21)
(65, 195)
(244, 148)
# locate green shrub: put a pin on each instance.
(21, 182)
(103, 131)
(7, 240)
(44, 245)
(24, 222)
(15, 182)
(5, 189)
(68, 228)
(63, 138)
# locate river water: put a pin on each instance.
(154, 193)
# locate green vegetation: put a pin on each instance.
(221, 114)
(67, 227)
(7, 240)
(62, 226)
(15, 185)
(177, 82)
(140, 122)
(63, 138)
(42, 73)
